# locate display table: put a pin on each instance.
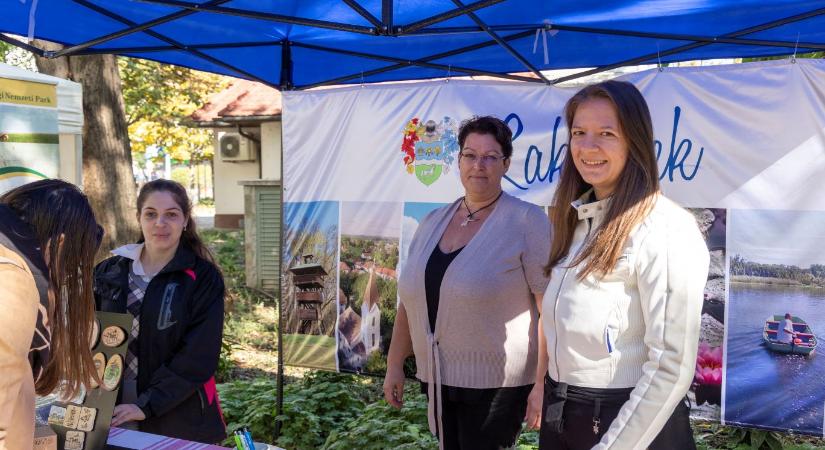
(120, 438)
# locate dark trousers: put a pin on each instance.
(482, 419)
(583, 423)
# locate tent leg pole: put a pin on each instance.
(279, 381)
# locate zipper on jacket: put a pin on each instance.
(556, 304)
(200, 397)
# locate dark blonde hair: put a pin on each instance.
(635, 192)
(189, 238)
(59, 212)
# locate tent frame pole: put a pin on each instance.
(68, 51)
(265, 16)
(503, 44)
(23, 45)
(279, 378)
(688, 47)
(175, 43)
(364, 13)
(425, 59)
(630, 33)
(286, 66)
(286, 84)
(415, 26)
(406, 63)
(166, 48)
(671, 37)
(688, 37)
(387, 16)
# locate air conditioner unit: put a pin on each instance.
(234, 147)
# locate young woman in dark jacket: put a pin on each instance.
(170, 283)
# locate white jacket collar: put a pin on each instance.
(132, 251)
(592, 209)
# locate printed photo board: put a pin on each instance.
(82, 422)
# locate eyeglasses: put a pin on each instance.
(486, 160)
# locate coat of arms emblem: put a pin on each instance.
(429, 148)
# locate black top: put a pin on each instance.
(433, 275)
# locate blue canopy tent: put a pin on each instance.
(300, 44)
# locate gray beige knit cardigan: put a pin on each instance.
(486, 331)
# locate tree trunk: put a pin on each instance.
(108, 180)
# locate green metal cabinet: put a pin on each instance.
(262, 234)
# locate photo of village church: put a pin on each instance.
(367, 294)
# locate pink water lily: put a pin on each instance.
(708, 365)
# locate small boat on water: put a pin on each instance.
(804, 343)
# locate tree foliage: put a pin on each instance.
(108, 179)
(813, 276)
(812, 55)
(15, 56)
(159, 98)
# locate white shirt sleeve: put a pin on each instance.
(672, 269)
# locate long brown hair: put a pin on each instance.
(69, 236)
(189, 238)
(635, 192)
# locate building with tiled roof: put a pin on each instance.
(243, 101)
(250, 114)
(246, 119)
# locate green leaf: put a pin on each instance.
(757, 439)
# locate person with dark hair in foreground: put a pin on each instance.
(48, 240)
(170, 284)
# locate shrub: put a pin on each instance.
(250, 404)
(380, 426)
(313, 408)
(376, 363)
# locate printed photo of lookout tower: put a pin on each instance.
(308, 279)
(309, 285)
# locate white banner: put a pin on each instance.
(745, 135)
(741, 146)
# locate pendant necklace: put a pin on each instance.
(470, 217)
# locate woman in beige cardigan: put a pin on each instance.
(469, 296)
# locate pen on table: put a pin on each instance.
(248, 436)
(239, 442)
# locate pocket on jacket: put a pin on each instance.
(609, 339)
(612, 328)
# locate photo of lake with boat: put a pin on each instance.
(775, 321)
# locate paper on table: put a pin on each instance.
(139, 441)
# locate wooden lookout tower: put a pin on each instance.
(308, 279)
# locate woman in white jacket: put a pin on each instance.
(627, 267)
